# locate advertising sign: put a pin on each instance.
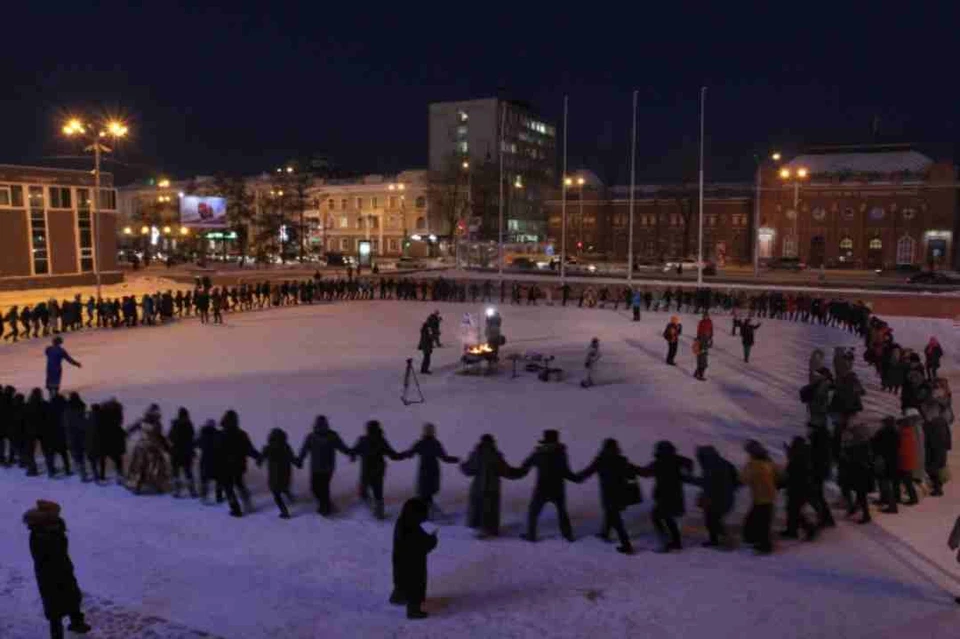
(363, 250)
(203, 212)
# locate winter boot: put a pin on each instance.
(78, 624)
(378, 510)
(193, 489)
(56, 629)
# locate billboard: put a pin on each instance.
(203, 212)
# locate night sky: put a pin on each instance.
(243, 88)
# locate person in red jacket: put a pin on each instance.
(906, 462)
(705, 329)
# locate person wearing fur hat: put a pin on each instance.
(669, 471)
(54, 571)
(553, 471)
(760, 476)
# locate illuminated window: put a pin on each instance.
(331, 204)
(876, 244)
(343, 204)
(462, 116)
(846, 244)
(344, 244)
(462, 131)
(344, 221)
(359, 203)
(392, 201)
(790, 246)
(463, 147)
(85, 239)
(906, 247)
(38, 232)
(374, 202)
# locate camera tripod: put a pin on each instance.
(411, 375)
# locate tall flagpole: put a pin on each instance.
(563, 200)
(633, 167)
(703, 100)
(503, 115)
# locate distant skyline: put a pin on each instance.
(243, 88)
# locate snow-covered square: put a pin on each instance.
(158, 566)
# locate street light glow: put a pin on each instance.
(465, 165)
(580, 181)
(144, 230)
(567, 181)
(116, 128)
(73, 127)
(184, 230)
(127, 230)
(289, 169)
(163, 184)
(802, 172)
(401, 186)
(775, 157)
(166, 230)
(785, 173)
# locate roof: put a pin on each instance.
(877, 162)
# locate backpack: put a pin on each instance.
(806, 393)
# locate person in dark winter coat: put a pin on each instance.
(932, 354)
(701, 350)
(53, 439)
(411, 545)
(719, 482)
(54, 571)
(235, 447)
(92, 445)
(486, 466)
(34, 419)
(846, 401)
(553, 470)
(615, 474)
(747, 332)
(56, 355)
(885, 445)
(431, 453)
(113, 437)
(672, 334)
(372, 448)
(280, 460)
(75, 428)
(211, 460)
(821, 464)
(426, 346)
(798, 485)
(669, 471)
(856, 471)
(322, 445)
(181, 436)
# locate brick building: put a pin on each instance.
(47, 226)
(874, 207)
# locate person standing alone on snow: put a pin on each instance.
(747, 330)
(51, 563)
(705, 329)
(411, 545)
(593, 356)
(635, 300)
(672, 334)
(56, 355)
(426, 346)
(932, 354)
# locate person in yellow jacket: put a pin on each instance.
(760, 476)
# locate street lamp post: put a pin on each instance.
(756, 213)
(796, 176)
(114, 129)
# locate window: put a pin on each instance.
(35, 197)
(462, 131)
(38, 236)
(791, 214)
(421, 202)
(331, 204)
(374, 202)
(846, 244)
(343, 204)
(876, 244)
(359, 203)
(876, 214)
(344, 244)
(790, 246)
(108, 199)
(360, 221)
(4, 196)
(463, 147)
(906, 247)
(83, 199)
(393, 245)
(909, 214)
(819, 213)
(344, 221)
(85, 239)
(462, 116)
(421, 223)
(374, 222)
(847, 214)
(59, 197)
(392, 202)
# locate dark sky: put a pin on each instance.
(243, 87)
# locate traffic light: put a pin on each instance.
(579, 246)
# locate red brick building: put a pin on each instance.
(47, 226)
(853, 208)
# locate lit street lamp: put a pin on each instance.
(797, 176)
(93, 133)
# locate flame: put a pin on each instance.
(480, 349)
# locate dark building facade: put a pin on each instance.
(865, 209)
(47, 226)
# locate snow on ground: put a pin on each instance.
(154, 565)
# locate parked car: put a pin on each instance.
(940, 278)
(689, 266)
(786, 264)
(523, 264)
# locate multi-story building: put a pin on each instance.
(848, 208)
(47, 226)
(860, 207)
(466, 141)
(149, 214)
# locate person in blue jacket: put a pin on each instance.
(56, 354)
